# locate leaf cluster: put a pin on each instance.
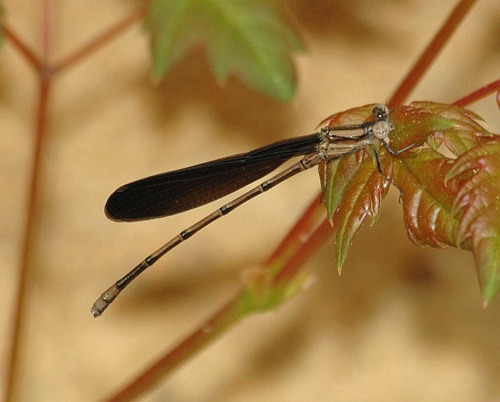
(449, 181)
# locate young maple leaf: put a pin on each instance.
(477, 208)
(445, 200)
(246, 38)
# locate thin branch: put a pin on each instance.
(221, 320)
(46, 71)
(430, 53)
(20, 303)
(101, 39)
(23, 48)
(479, 94)
(300, 242)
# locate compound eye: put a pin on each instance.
(381, 112)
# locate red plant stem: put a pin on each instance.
(299, 231)
(20, 300)
(101, 39)
(479, 94)
(308, 248)
(29, 236)
(207, 332)
(22, 47)
(301, 242)
(45, 71)
(430, 53)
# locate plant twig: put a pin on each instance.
(430, 53)
(45, 71)
(479, 94)
(20, 302)
(22, 47)
(100, 40)
(220, 321)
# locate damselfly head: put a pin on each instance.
(381, 112)
(382, 128)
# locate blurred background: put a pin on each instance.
(402, 323)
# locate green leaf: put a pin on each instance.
(172, 33)
(243, 37)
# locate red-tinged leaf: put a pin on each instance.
(436, 124)
(335, 176)
(246, 38)
(351, 116)
(446, 201)
(477, 207)
(361, 199)
(427, 201)
(450, 201)
(427, 196)
(414, 124)
(352, 186)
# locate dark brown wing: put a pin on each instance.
(180, 190)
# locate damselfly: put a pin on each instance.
(181, 190)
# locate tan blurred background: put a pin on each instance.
(402, 323)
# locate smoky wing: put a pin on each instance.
(181, 190)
